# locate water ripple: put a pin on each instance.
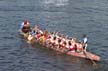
(69, 17)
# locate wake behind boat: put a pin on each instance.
(55, 41)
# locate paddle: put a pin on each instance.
(94, 63)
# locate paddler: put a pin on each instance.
(31, 35)
(79, 47)
(25, 27)
(74, 44)
(60, 42)
(85, 42)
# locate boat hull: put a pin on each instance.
(84, 54)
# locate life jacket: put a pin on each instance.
(37, 35)
(79, 47)
(74, 46)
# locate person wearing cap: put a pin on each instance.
(25, 26)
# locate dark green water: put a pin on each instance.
(69, 17)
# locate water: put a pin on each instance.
(69, 17)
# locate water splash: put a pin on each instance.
(56, 3)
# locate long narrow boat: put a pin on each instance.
(86, 54)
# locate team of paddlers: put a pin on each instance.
(52, 39)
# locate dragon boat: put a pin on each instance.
(83, 54)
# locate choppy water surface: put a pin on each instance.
(69, 17)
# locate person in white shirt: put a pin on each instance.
(85, 40)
